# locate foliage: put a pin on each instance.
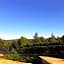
(16, 57)
(62, 38)
(6, 45)
(1, 43)
(23, 41)
(27, 47)
(36, 39)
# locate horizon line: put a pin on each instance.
(12, 37)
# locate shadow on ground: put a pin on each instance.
(38, 60)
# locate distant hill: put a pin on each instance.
(13, 40)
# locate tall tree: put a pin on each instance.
(36, 35)
(36, 39)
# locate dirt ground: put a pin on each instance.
(6, 61)
(52, 60)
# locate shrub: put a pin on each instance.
(16, 57)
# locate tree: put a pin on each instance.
(23, 41)
(36, 39)
(59, 40)
(36, 35)
(15, 47)
(62, 38)
(52, 39)
(42, 39)
(1, 43)
(5, 45)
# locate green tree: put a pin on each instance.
(52, 39)
(23, 42)
(6, 45)
(42, 39)
(1, 43)
(36, 35)
(14, 47)
(36, 39)
(62, 38)
(59, 40)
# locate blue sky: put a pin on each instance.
(25, 17)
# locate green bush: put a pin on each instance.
(16, 57)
